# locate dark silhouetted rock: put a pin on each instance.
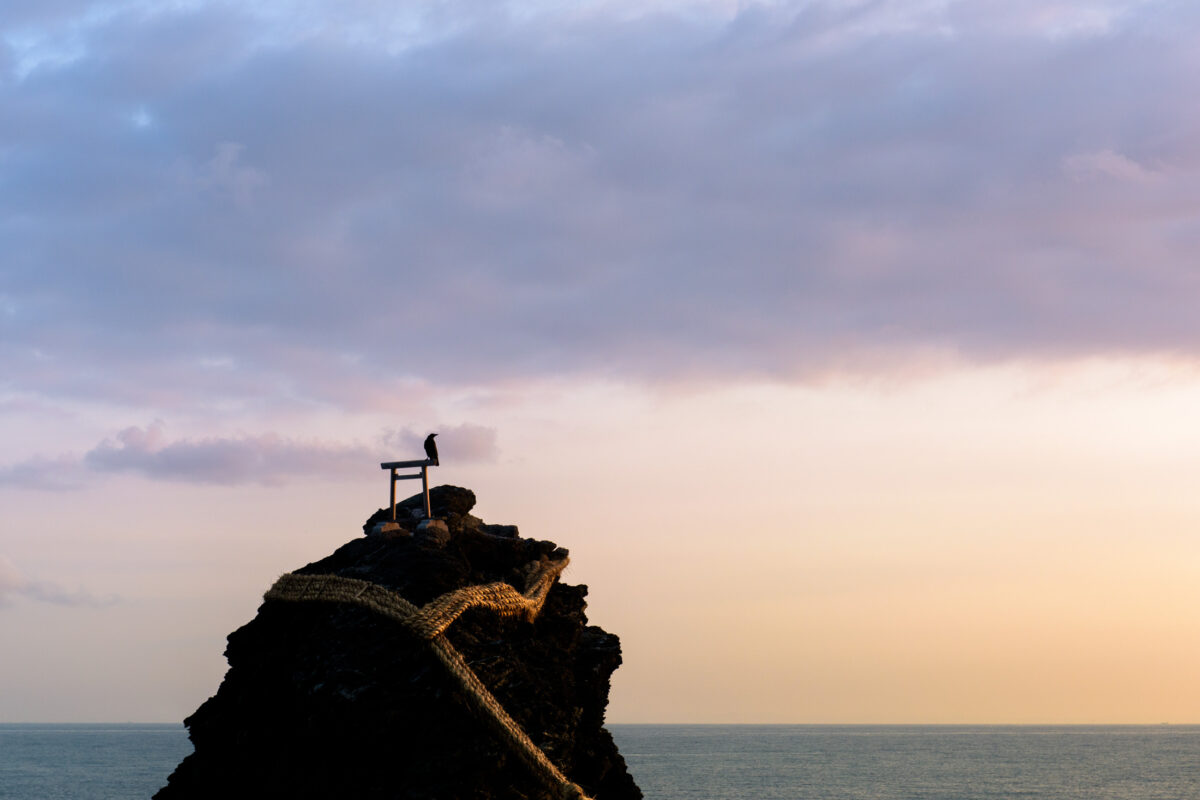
(507, 531)
(444, 501)
(326, 700)
(433, 532)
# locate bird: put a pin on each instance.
(431, 448)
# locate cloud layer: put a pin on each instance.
(267, 459)
(15, 584)
(204, 204)
(458, 443)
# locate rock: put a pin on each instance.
(389, 528)
(433, 532)
(505, 531)
(326, 699)
(443, 500)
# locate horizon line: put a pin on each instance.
(758, 724)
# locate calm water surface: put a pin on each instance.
(88, 762)
(717, 762)
(787, 762)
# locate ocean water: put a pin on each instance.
(88, 762)
(718, 762)
(821, 762)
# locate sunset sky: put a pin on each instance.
(852, 347)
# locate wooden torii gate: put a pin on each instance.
(424, 464)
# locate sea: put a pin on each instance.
(718, 762)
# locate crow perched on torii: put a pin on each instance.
(431, 460)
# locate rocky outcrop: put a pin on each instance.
(449, 504)
(327, 699)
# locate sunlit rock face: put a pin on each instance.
(329, 700)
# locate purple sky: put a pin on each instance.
(245, 245)
(207, 207)
(203, 204)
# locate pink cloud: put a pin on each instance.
(263, 459)
(465, 443)
(16, 584)
(44, 473)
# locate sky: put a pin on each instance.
(850, 346)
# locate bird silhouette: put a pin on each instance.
(431, 448)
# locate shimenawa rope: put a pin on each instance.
(430, 622)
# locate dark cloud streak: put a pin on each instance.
(40, 472)
(15, 584)
(267, 459)
(264, 459)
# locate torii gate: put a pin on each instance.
(424, 464)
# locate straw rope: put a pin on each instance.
(430, 622)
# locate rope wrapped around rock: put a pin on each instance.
(430, 622)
